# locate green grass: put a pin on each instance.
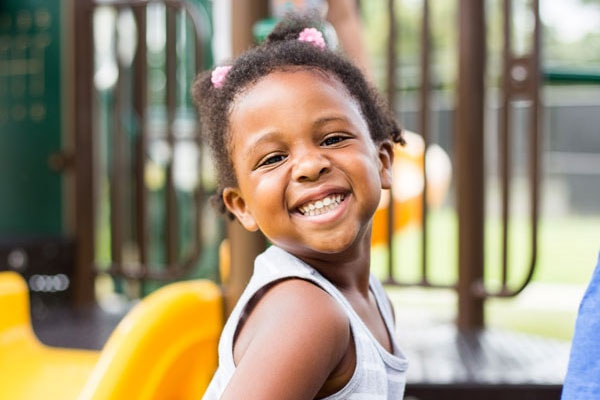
(505, 314)
(508, 314)
(567, 252)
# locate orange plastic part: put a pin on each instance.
(408, 185)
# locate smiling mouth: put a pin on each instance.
(322, 206)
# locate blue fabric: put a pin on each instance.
(583, 375)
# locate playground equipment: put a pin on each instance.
(165, 348)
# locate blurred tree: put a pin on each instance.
(556, 51)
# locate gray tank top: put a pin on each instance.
(379, 375)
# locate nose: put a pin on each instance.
(310, 166)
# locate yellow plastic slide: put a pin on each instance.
(165, 348)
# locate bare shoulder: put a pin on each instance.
(300, 301)
(298, 305)
(295, 336)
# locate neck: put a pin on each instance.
(349, 270)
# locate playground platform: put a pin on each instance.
(445, 364)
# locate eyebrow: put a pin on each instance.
(271, 134)
(268, 136)
(325, 120)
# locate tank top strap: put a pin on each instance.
(383, 302)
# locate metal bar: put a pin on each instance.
(424, 128)
(139, 105)
(469, 147)
(116, 173)
(171, 234)
(534, 144)
(85, 227)
(178, 4)
(525, 84)
(559, 75)
(391, 99)
(488, 391)
(199, 192)
(391, 56)
(504, 138)
(175, 269)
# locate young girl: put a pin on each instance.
(303, 148)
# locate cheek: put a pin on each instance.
(366, 167)
(266, 195)
(369, 180)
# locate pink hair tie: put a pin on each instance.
(312, 36)
(218, 76)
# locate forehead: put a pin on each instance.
(295, 76)
(295, 96)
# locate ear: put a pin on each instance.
(235, 203)
(386, 159)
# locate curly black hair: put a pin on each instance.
(281, 51)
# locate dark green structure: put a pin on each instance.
(31, 117)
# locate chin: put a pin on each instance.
(331, 247)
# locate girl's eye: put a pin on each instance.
(272, 160)
(333, 140)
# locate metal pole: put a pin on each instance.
(391, 99)
(139, 105)
(535, 138)
(470, 166)
(116, 171)
(83, 291)
(504, 142)
(172, 230)
(424, 127)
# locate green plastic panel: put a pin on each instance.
(30, 117)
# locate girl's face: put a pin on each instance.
(309, 175)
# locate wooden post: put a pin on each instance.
(244, 14)
(470, 166)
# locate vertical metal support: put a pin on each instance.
(171, 233)
(535, 135)
(141, 141)
(86, 148)
(85, 227)
(116, 173)
(391, 99)
(424, 128)
(470, 166)
(521, 80)
(504, 136)
(199, 191)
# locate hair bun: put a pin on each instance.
(292, 24)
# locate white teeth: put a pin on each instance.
(321, 206)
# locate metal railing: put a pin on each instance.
(130, 97)
(520, 81)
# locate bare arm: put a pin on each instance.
(344, 16)
(292, 341)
